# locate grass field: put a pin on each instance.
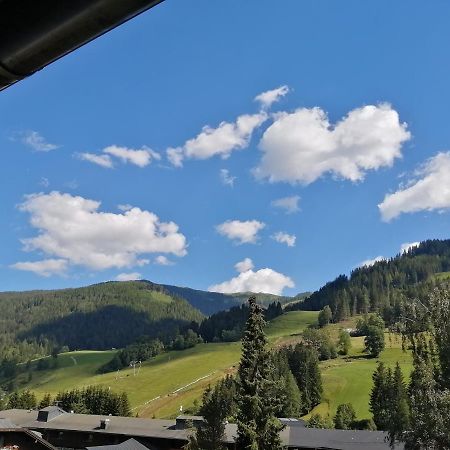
(349, 379)
(178, 378)
(290, 324)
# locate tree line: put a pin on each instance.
(383, 287)
(89, 400)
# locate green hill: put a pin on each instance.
(386, 285)
(99, 317)
(211, 302)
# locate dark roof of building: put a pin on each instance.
(294, 435)
(6, 423)
(339, 439)
(53, 408)
(191, 418)
(130, 444)
(127, 426)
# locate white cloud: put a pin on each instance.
(371, 262)
(44, 268)
(175, 156)
(264, 280)
(37, 142)
(162, 260)
(408, 246)
(244, 232)
(302, 146)
(430, 192)
(267, 98)
(289, 204)
(73, 228)
(124, 207)
(284, 238)
(139, 157)
(244, 266)
(226, 177)
(129, 276)
(100, 160)
(221, 141)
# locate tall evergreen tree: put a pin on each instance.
(304, 364)
(399, 420)
(258, 428)
(210, 435)
(380, 397)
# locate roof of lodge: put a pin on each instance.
(294, 435)
(130, 444)
(128, 426)
(339, 439)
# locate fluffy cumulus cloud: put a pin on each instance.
(267, 98)
(139, 157)
(284, 238)
(429, 191)
(162, 260)
(288, 204)
(100, 160)
(44, 268)
(407, 246)
(72, 228)
(124, 207)
(129, 276)
(244, 265)
(263, 280)
(37, 142)
(301, 146)
(226, 178)
(221, 141)
(242, 232)
(371, 262)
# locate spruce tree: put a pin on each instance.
(258, 428)
(46, 401)
(399, 420)
(379, 397)
(211, 434)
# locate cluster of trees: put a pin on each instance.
(383, 287)
(285, 383)
(372, 327)
(94, 400)
(389, 400)
(146, 348)
(89, 400)
(142, 350)
(321, 342)
(418, 413)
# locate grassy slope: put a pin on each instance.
(345, 379)
(163, 375)
(350, 379)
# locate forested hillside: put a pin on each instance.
(101, 316)
(212, 302)
(385, 286)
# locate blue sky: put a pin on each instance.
(360, 120)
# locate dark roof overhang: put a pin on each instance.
(35, 33)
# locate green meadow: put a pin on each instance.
(176, 379)
(349, 379)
